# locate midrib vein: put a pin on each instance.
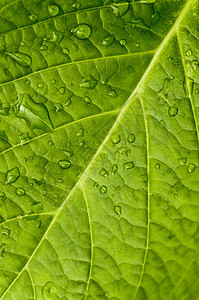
(163, 44)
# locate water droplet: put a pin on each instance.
(50, 143)
(40, 85)
(22, 59)
(20, 191)
(124, 152)
(182, 161)
(191, 168)
(58, 107)
(197, 91)
(128, 165)
(68, 102)
(43, 48)
(82, 31)
(33, 18)
(64, 164)
(120, 9)
(62, 90)
(69, 153)
(82, 143)
(170, 58)
(66, 51)
(175, 196)
(116, 139)
(108, 40)
(24, 137)
(6, 231)
(60, 180)
(96, 185)
(157, 166)
(54, 36)
(56, 196)
(38, 224)
(172, 77)
(28, 82)
(80, 132)
(12, 175)
(103, 172)
(104, 81)
(45, 192)
(113, 94)
(137, 45)
(2, 194)
(131, 138)
(103, 189)
(117, 209)
(53, 81)
(114, 169)
(2, 249)
(89, 83)
(122, 42)
(76, 5)
(173, 111)
(53, 10)
(189, 52)
(23, 44)
(165, 89)
(87, 100)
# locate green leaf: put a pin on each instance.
(99, 149)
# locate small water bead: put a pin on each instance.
(69, 153)
(2, 194)
(53, 10)
(96, 185)
(76, 5)
(40, 85)
(50, 143)
(124, 152)
(123, 42)
(137, 45)
(43, 48)
(54, 36)
(80, 132)
(189, 52)
(191, 168)
(23, 44)
(172, 77)
(117, 210)
(58, 107)
(104, 81)
(20, 191)
(82, 31)
(116, 139)
(64, 164)
(108, 40)
(38, 224)
(103, 189)
(22, 59)
(87, 100)
(45, 192)
(170, 58)
(113, 94)
(6, 231)
(120, 9)
(114, 169)
(12, 175)
(128, 165)
(82, 143)
(66, 51)
(68, 102)
(33, 18)
(197, 91)
(60, 180)
(182, 161)
(157, 166)
(172, 111)
(62, 90)
(28, 82)
(131, 138)
(89, 83)
(53, 81)
(103, 172)
(56, 195)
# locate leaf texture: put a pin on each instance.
(99, 150)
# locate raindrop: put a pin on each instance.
(157, 166)
(76, 5)
(89, 83)
(65, 51)
(12, 175)
(114, 169)
(43, 48)
(191, 168)
(82, 143)
(182, 161)
(58, 107)
(69, 153)
(22, 59)
(33, 18)
(170, 58)
(131, 138)
(173, 111)
(172, 77)
(124, 152)
(40, 85)
(122, 42)
(189, 52)
(50, 143)
(53, 81)
(56, 196)
(20, 191)
(60, 180)
(55, 37)
(87, 100)
(82, 31)
(116, 139)
(38, 224)
(64, 164)
(120, 9)
(6, 231)
(24, 137)
(2, 194)
(80, 132)
(103, 172)
(137, 45)
(128, 165)
(28, 82)
(113, 94)
(23, 44)
(103, 189)
(53, 10)
(62, 90)
(197, 91)
(68, 102)
(96, 185)
(108, 40)
(117, 209)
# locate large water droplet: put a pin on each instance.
(103, 189)
(53, 10)
(114, 169)
(89, 83)
(116, 139)
(82, 31)
(108, 40)
(117, 209)
(128, 165)
(64, 164)
(172, 111)
(22, 59)
(103, 172)
(33, 18)
(120, 9)
(191, 168)
(20, 191)
(12, 175)
(80, 132)
(131, 138)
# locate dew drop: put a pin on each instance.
(124, 152)
(173, 111)
(103, 189)
(89, 83)
(120, 9)
(108, 40)
(45, 192)
(40, 85)
(62, 90)
(116, 139)
(172, 77)
(87, 100)
(197, 91)
(2, 194)
(137, 45)
(23, 44)
(20, 191)
(6, 231)
(43, 48)
(189, 52)
(117, 210)
(82, 143)
(60, 180)
(69, 153)
(58, 107)
(122, 42)
(114, 169)
(76, 5)
(157, 166)
(191, 168)
(82, 31)
(22, 59)
(12, 175)
(96, 185)
(68, 102)
(64, 164)
(38, 224)
(113, 94)
(65, 51)
(53, 10)
(131, 138)
(33, 18)
(55, 37)
(170, 58)
(56, 196)
(103, 172)
(53, 81)
(80, 132)
(182, 161)
(50, 143)
(28, 82)
(128, 165)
